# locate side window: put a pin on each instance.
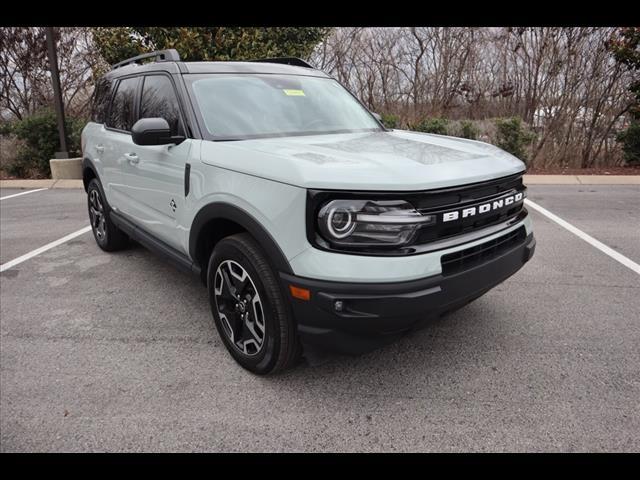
(100, 100)
(159, 100)
(122, 107)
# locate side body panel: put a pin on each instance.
(118, 145)
(277, 207)
(154, 189)
(105, 149)
(93, 150)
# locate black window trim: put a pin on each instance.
(181, 112)
(189, 109)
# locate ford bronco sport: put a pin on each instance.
(313, 226)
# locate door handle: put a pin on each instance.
(132, 158)
(100, 148)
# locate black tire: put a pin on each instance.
(280, 348)
(108, 237)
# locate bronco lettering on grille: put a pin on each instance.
(483, 208)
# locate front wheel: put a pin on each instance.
(248, 308)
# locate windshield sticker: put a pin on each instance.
(294, 93)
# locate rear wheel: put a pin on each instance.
(107, 235)
(248, 307)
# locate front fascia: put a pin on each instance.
(323, 265)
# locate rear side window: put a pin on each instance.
(100, 101)
(121, 114)
(159, 100)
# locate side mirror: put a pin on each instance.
(153, 131)
(377, 116)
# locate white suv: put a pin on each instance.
(314, 227)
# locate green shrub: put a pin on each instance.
(390, 120)
(468, 130)
(513, 136)
(5, 128)
(435, 125)
(630, 140)
(40, 141)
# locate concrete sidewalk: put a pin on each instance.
(528, 179)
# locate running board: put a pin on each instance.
(152, 243)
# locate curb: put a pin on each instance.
(582, 179)
(47, 183)
(26, 183)
(528, 179)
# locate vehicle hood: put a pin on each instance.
(391, 160)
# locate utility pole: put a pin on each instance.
(57, 92)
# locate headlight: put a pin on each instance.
(370, 223)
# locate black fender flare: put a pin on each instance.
(86, 163)
(226, 211)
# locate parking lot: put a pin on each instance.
(118, 352)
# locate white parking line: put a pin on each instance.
(38, 251)
(23, 193)
(587, 238)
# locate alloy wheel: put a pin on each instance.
(96, 214)
(239, 307)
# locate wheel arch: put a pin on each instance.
(217, 220)
(89, 172)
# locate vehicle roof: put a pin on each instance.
(215, 67)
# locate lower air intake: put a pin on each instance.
(470, 257)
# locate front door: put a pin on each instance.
(153, 176)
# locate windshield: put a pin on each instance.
(234, 107)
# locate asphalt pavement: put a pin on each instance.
(118, 352)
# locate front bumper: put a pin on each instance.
(369, 315)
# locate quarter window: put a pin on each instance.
(100, 101)
(121, 115)
(159, 100)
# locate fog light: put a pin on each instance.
(338, 305)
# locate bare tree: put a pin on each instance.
(561, 81)
(25, 82)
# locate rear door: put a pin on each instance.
(154, 181)
(93, 134)
(117, 144)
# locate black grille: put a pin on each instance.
(470, 257)
(469, 197)
(455, 196)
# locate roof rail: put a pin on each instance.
(170, 55)
(297, 62)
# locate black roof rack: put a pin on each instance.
(297, 62)
(170, 55)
